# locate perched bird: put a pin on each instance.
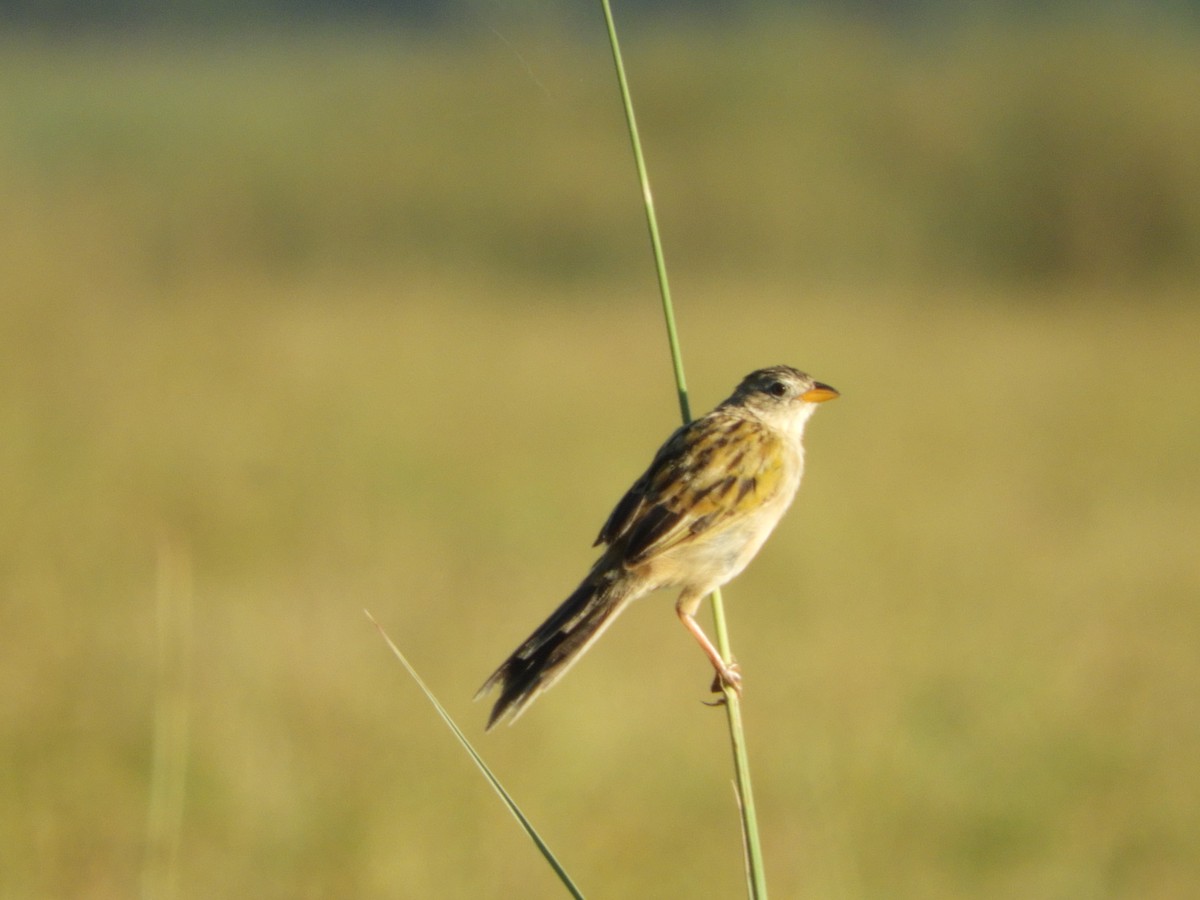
(711, 497)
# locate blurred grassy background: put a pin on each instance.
(297, 324)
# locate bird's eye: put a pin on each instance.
(776, 388)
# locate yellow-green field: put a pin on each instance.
(291, 328)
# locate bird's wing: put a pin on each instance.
(707, 475)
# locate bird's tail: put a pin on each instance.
(550, 651)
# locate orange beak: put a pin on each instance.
(819, 393)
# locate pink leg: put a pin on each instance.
(728, 674)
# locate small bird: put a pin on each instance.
(713, 494)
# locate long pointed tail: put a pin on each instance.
(551, 650)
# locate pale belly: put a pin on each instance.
(720, 555)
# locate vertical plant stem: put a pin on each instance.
(660, 263)
(756, 885)
(756, 876)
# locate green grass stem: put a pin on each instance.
(660, 263)
(756, 885)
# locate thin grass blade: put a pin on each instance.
(491, 778)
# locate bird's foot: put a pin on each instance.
(727, 677)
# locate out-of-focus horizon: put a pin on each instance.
(311, 308)
(854, 140)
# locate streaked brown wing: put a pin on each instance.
(705, 476)
(635, 501)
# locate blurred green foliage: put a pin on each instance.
(293, 325)
(812, 150)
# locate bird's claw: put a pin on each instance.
(728, 677)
